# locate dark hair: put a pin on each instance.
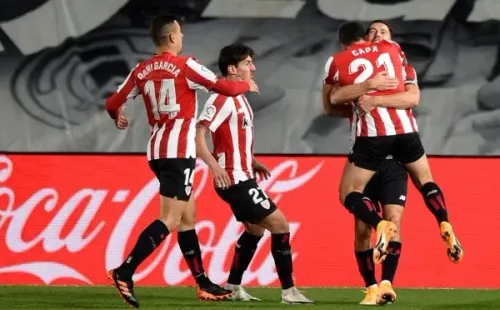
(157, 27)
(231, 55)
(379, 21)
(351, 32)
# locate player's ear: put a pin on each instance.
(171, 38)
(231, 69)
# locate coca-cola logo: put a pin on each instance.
(83, 231)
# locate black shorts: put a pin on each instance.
(389, 185)
(175, 176)
(248, 201)
(369, 152)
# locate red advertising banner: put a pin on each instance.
(66, 219)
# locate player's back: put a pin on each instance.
(364, 60)
(167, 93)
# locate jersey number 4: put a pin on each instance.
(164, 101)
(368, 69)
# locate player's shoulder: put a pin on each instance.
(218, 100)
(389, 44)
(409, 68)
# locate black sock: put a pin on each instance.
(282, 254)
(190, 247)
(148, 241)
(363, 208)
(390, 264)
(243, 253)
(434, 200)
(366, 266)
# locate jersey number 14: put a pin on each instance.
(165, 101)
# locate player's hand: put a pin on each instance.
(366, 104)
(221, 178)
(261, 170)
(253, 86)
(382, 81)
(121, 121)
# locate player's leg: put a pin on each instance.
(411, 153)
(268, 216)
(245, 249)
(393, 193)
(367, 155)
(240, 200)
(251, 204)
(363, 249)
(173, 201)
(190, 247)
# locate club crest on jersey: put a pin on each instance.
(188, 190)
(247, 122)
(209, 113)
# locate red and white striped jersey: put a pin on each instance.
(361, 62)
(410, 79)
(168, 85)
(230, 119)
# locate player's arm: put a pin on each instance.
(403, 100)
(216, 111)
(202, 150)
(350, 93)
(128, 89)
(334, 110)
(200, 77)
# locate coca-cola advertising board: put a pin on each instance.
(66, 219)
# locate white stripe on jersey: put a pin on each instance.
(191, 140)
(195, 86)
(173, 138)
(238, 174)
(224, 112)
(248, 131)
(201, 70)
(390, 129)
(152, 130)
(327, 68)
(405, 120)
(135, 91)
(158, 138)
(370, 123)
(354, 128)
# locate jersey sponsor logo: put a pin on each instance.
(246, 122)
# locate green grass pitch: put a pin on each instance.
(99, 297)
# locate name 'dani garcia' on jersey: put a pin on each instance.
(159, 65)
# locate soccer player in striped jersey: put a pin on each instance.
(229, 119)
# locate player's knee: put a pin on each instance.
(396, 219)
(276, 223)
(187, 222)
(254, 230)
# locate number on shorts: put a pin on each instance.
(367, 67)
(167, 101)
(189, 176)
(257, 195)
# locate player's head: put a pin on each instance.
(350, 33)
(378, 30)
(165, 31)
(236, 60)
